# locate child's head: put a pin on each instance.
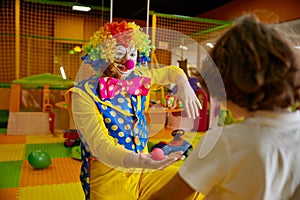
(259, 67)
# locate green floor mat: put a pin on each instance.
(10, 174)
(54, 150)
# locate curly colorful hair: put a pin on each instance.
(102, 45)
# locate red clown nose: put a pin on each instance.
(129, 64)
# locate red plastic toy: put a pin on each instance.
(201, 123)
(73, 138)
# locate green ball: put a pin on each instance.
(39, 159)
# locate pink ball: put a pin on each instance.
(157, 154)
(129, 64)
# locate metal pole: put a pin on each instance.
(111, 11)
(148, 9)
(17, 44)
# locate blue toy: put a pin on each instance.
(177, 144)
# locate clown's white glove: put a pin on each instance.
(187, 95)
(143, 160)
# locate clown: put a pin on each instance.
(108, 107)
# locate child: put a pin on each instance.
(259, 157)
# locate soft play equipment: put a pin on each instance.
(72, 138)
(76, 152)
(202, 122)
(39, 120)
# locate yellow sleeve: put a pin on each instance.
(161, 76)
(164, 75)
(89, 122)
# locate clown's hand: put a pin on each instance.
(187, 95)
(143, 160)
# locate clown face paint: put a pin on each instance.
(121, 56)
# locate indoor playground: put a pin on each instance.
(41, 50)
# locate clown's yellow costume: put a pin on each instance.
(108, 111)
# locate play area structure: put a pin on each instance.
(26, 114)
(50, 51)
(42, 48)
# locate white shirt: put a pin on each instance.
(256, 159)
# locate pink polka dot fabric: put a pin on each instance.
(110, 87)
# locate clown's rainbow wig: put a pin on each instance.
(102, 45)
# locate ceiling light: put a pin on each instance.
(81, 8)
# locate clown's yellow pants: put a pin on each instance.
(111, 184)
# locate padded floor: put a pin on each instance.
(20, 181)
(60, 181)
